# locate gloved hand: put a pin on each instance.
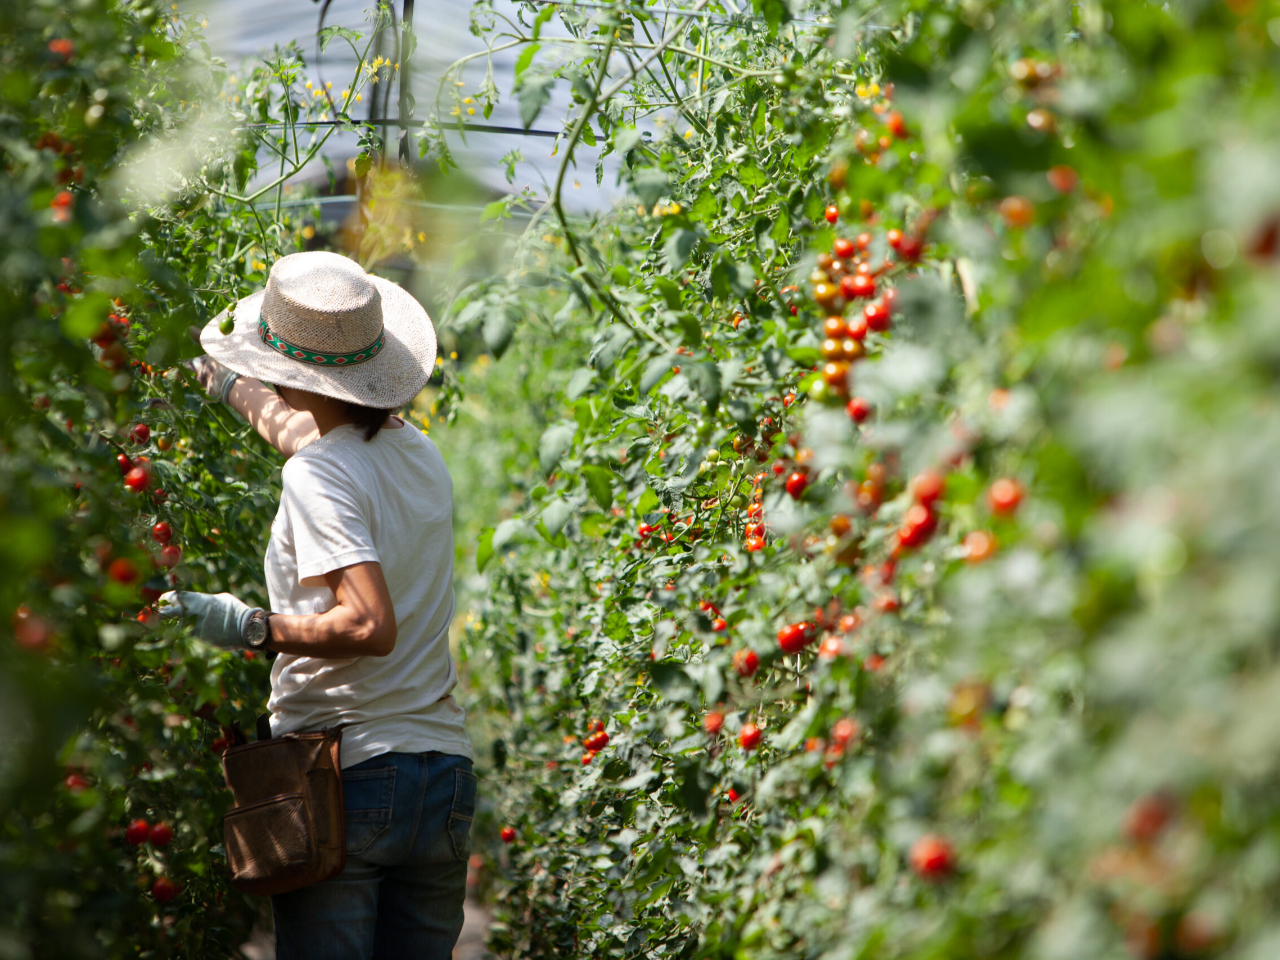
(219, 617)
(216, 379)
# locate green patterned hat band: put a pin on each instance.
(295, 352)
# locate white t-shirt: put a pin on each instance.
(348, 501)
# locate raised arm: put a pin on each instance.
(286, 429)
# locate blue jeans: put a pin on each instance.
(408, 838)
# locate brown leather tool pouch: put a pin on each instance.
(286, 829)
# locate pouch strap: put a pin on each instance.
(264, 726)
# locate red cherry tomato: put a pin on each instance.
(719, 625)
(161, 835)
(123, 570)
(932, 857)
(749, 736)
(76, 783)
(125, 463)
(508, 835)
(843, 248)
(845, 729)
(1005, 495)
(796, 484)
(162, 532)
(897, 126)
(794, 637)
(164, 890)
(928, 487)
(746, 662)
(857, 285)
(713, 721)
(137, 479)
(753, 544)
(886, 602)
(170, 556)
(917, 526)
(858, 409)
(141, 433)
(136, 832)
(877, 316)
(832, 213)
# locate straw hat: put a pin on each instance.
(325, 326)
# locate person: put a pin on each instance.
(359, 574)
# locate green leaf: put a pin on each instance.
(507, 531)
(705, 377)
(693, 786)
(616, 626)
(328, 33)
(526, 58)
(678, 247)
(579, 383)
(495, 210)
(650, 184)
(544, 16)
(673, 682)
(599, 482)
(498, 329)
(781, 231)
(484, 549)
(706, 208)
(533, 93)
(588, 135)
(690, 329)
(85, 317)
(556, 440)
(556, 514)
(625, 139)
(610, 345)
(655, 370)
(669, 290)
(805, 356)
(742, 412)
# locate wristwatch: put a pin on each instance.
(257, 631)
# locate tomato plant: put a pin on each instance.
(925, 333)
(871, 518)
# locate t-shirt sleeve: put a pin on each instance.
(327, 514)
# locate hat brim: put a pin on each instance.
(388, 380)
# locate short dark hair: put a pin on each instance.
(368, 419)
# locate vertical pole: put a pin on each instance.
(407, 46)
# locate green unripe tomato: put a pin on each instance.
(713, 455)
(227, 326)
(739, 501)
(818, 390)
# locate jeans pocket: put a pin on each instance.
(462, 812)
(367, 799)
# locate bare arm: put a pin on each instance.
(363, 624)
(286, 429)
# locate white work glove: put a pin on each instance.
(220, 618)
(216, 379)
